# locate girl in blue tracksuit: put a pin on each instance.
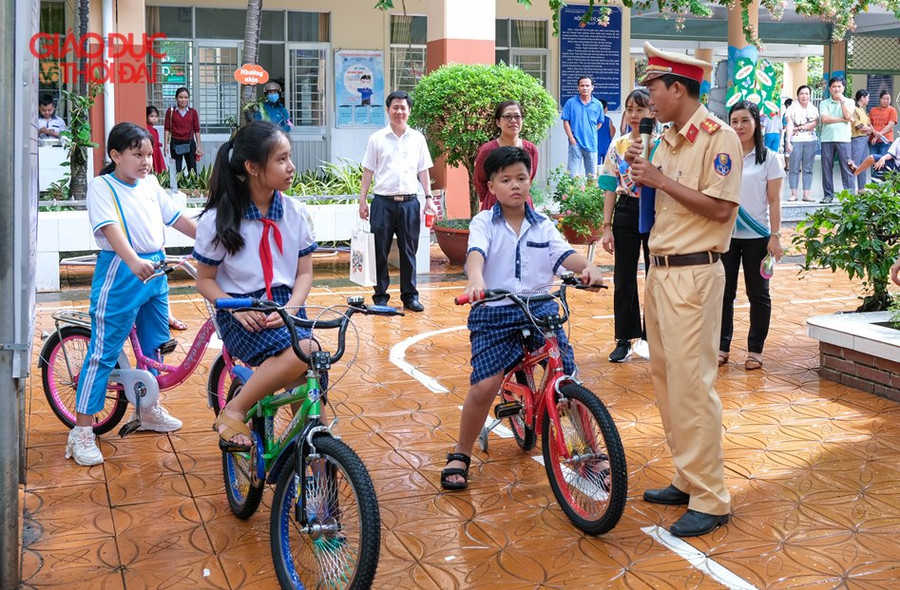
(128, 211)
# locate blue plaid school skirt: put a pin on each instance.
(496, 346)
(255, 347)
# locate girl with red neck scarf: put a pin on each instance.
(254, 242)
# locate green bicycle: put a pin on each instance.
(325, 527)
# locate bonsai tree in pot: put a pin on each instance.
(454, 107)
(861, 236)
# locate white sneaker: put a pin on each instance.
(641, 348)
(157, 419)
(82, 446)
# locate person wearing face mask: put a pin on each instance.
(273, 109)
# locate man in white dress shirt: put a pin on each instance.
(397, 156)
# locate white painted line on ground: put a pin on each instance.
(823, 299)
(698, 559)
(398, 352)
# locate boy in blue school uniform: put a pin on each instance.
(511, 247)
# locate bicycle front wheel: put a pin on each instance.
(339, 546)
(62, 359)
(588, 477)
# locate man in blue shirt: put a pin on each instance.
(582, 115)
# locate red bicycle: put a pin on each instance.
(582, 450)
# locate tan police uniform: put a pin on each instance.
(683, 303)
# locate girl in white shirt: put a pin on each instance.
(757, 232)
(254, 242)
(800, 142)
(128, 211)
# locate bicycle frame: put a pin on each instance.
(170, 376)
(553, 375)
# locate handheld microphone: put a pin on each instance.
(646, 130)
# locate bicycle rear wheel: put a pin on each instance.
(339, 546)
(591, 484)
(62, 359)
(243, 485)
(218, 385)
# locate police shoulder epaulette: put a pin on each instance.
(710, 125)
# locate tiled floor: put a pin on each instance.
(813, 468)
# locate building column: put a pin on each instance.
(459, 31)
(706, 54)
(834, 62)
(795, 75)
(741, 54)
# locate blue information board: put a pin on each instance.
(593, 50)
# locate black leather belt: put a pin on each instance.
(686, 259)
(398, 198)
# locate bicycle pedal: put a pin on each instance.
(168, 346)
(507, 409)
(130, 427)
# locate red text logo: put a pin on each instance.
(119, 58)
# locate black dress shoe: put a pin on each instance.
(414, 305)
(694, 524)
(671, 496)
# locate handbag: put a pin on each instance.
(181, 149)
(362, 255)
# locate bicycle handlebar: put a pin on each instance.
(568, 280)
(355, 304)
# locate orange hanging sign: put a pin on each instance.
(251, 74)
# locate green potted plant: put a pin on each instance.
(578, 203)
(77, 137)
(454, 107)
(861, 236)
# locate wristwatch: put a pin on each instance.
(429, 196)
(777, 234)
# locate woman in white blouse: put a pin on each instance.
(757, 233)
(802, 118)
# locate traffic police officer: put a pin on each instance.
(696, 171)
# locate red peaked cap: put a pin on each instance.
(660, 63)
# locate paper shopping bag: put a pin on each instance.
(362, 256)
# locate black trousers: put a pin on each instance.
(190, 158)
(401, 218)
(750, 253)
(628, 242)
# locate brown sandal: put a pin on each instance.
(752, 363)
(232, 428)
(723, 358)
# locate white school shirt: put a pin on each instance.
(754, 195)
(56, 123)
(141, 210)
(397, 161)
(894, 150)
(241, 272)
(523, 263)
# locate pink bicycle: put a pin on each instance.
(65, 350)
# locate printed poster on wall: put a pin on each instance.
(593, 49)
(359, 88)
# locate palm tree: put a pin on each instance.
(251, 52)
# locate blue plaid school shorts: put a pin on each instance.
(496, 345)
(255, 347)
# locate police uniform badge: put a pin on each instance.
(722, 164)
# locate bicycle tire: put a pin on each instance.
(243, 493)
(588, 500)
(522, 432)
(218, 384)
(60, 386)
(344, 554)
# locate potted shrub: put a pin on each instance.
(578, 202)
(454, 107)
(861, 236)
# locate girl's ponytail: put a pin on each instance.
(229, 193)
